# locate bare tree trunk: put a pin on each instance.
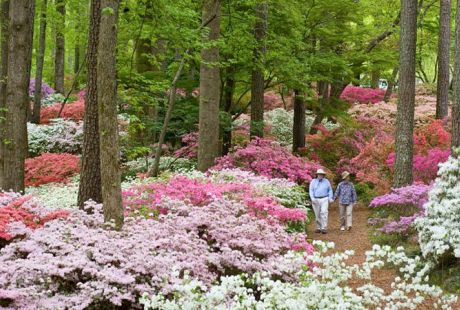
(108, 123)
(257, 90)
(229, 90)
(456, 84)
(375, 76)
(90, 186)
(442, 95)
(35, 117)
(208, 142)
(22, 13)
(5, 7)
(323, 92)
(391, 84)
(59, 60)
(406, 109)
(298, 130)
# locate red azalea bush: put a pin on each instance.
(74, 111)
(48, 168)
(16, 208)
(267, 158)
(355, 94)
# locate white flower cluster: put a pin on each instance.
(439, 229)
(142, 164)
(323, 285)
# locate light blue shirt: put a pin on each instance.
(320, 188)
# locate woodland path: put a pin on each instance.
(358, 240)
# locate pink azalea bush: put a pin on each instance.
(401, 207)
(76, 263)
(147, 198)
(269, 159)
(355, 94)
(190, 146)
(17, 210)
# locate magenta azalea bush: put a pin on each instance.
(76, 263)
(267, 158)
(356, 94)
(425, 166)
(402, 205)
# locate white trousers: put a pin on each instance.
(320, 207)
(346, 215)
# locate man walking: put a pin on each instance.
(321, 194)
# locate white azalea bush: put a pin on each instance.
(325, 284)
(439, 229)
(142, 164)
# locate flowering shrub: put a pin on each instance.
(325, 287)
(425, 167)
(147, 198)
(46, 89)
(75, 263)
(74, 111)
(141, 165)
(18, 211)
(401, 207)
(355, 94)
(438, 232)
(60, 136)
(190, 148)
(269, 159)
(49, 167)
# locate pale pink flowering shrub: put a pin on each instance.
(355, 94)
(190, 146)
(267, 158)
(75, 263)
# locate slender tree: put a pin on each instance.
(257, 86)
(35, 115)
(59, 60)
(442, 96)
(90, 175)
(108, 124)
(21, 14)
(298, 130)
(406, 101)
(208, 142)
(5, 7)
(229, 91)
(456, 84)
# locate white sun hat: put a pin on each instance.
(320, 171)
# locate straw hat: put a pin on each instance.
(320, 171)
(345, 174)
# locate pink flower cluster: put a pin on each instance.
(269, 159)
(190, 148)
(76, 263)
(15, 208)
(355, 94)
(149, 198)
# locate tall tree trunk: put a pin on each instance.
(406, 109)
(456, 84)
(391, 84)
(375, 76)
(229, 90)
(35, 117)
(5, 7)
(442, 95)
(257, 86)
(59, 60)
(323, 93)
(90, 175)
(108, 123)
(298, 130)
(22, 13)
(208, 142)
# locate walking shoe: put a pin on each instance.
(324, 231)
(349, 228)
(342, 228)
(317, 231)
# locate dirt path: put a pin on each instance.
(357, 239)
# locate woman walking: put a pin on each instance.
(347, 198)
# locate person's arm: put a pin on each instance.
(337, 191)
(329, 190)
(310, 191)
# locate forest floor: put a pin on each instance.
(357, 239)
